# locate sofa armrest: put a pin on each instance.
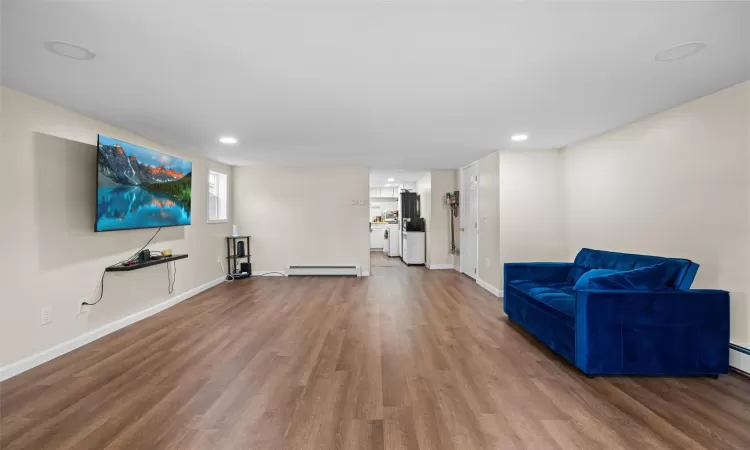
(669, 332)
(537, 271)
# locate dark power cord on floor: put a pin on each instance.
(104, 272)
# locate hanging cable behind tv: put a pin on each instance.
(143, 257)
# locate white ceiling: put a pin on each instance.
(380, 177)
(396, 83)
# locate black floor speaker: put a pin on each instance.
(246, 267)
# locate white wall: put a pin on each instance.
(490, 268)
(51, 255)
(674, 184)
(304, 215)
(532, 213)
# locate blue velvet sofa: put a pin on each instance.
(629, 330)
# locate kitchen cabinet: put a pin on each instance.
(413, 247)
(391, 246)
(377, 236)
(383, 193)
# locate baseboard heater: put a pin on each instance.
(304, 271)
(739, 359)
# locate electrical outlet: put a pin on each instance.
(361, 202)
(46, 315)
(83, 309)
(354, 203)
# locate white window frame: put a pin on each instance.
(225, 198)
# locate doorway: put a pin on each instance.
(386, 233)
(469, 220)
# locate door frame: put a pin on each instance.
(462, 212)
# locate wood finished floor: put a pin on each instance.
(379, 259)
(405, 359)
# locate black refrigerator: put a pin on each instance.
(410, 213)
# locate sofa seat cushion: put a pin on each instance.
(557, 297)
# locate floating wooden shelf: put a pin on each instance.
(153, 262)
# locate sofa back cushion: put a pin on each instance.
(679, 273)
(649, 278)
(583, 280)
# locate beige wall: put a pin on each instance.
(674, 184)
(532, 213)
(457, 222)
(431, 189)
(490, 268)
(521, 210)
(51, 255)
(424, 190)
(440, 255)
(304, 215)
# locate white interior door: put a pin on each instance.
(469, 220)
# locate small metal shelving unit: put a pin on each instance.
(233, 261)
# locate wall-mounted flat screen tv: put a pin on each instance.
(140, 188)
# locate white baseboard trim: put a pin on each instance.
(487, 286)
(51, 353)
(269, 273)
(365, 273)
(440, 266)
(739, 358)
(324, 270)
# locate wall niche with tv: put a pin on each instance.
(140, 188)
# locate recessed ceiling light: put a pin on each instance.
(519, 137)
(680, 51)
(391, 179)
(69, 50)
(228, 140)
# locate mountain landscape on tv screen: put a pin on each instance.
(128, 171)
(139, 188)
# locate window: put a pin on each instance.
(217, 197)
